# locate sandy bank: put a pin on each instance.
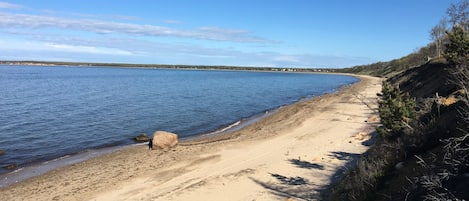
(293, 153)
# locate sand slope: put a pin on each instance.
(293, 153)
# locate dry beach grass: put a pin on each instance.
(293, 153)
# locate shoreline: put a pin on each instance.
(168, 66)
(39, 168)
(130, 164)
(34, 169)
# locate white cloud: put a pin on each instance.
(89, 16)
(144, 51)
(28, 46)
(9, 20)
(6, 5)
(86, 49)
(308, 60)
(120, 42)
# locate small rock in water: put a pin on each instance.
(10, 167)
(2, 152)
(142, 138)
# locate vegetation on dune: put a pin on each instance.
(438, 33)
(457, 17)
(423, 148)
(457, 48)
(387, 69)
(396, 110)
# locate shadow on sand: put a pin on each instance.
(306, 164)
(299, 187)
(290, 180)
(372, 140)
(290, 187)
(351, 161)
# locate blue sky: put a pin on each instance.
(278, 33)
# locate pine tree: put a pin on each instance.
(457, 49)
(396, 110)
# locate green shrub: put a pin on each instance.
(396, 111)
(457, 50)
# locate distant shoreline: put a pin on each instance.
(170, 66)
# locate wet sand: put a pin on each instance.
(293, 153)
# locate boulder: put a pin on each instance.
(142, 138)
(164, 140)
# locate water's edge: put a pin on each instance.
(36, 169)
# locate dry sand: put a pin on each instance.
(292, 154)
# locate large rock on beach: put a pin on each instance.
(164, 140)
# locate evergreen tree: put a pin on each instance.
(396, 110)
(457, 49)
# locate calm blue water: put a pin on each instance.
(49, 112)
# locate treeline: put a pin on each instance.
(422, 152)
(386, 69)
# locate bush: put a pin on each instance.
(457, 50)
(396, 111)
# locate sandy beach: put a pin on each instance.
(292, 154)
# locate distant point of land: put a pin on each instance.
(169, 66)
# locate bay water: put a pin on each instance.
(50, 112)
